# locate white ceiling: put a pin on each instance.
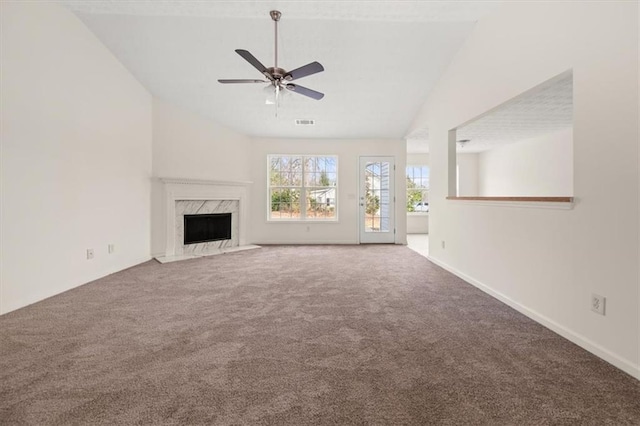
(381, 58)
(544, 109)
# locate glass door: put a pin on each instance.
(377, 200)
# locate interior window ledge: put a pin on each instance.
(562, 203)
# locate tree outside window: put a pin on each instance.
(302, 187)
(417, 189)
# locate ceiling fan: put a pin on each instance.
(278, 78)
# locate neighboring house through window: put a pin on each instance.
(417, 189)
(302, 187)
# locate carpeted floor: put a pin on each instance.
(297, 335)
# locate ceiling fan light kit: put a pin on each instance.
(278, 78)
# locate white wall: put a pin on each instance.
(417, 223)
(187, 145)
(345, 231)
(541, 166)
(467, 174)
(76, 156)
(417, 159)
(547, 262)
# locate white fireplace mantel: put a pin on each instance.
(178, 189)
(187, 181)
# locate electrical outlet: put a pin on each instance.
(308, 228)
(111, 248)
(598, 303)
(442, 243)
(89, 254)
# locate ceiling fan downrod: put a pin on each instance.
(275, 15)
(275, 71)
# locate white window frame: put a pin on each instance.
(425, 191)
(303, 187)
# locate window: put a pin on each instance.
(302, 187)
(417, 189)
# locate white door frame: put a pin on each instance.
(385, 232)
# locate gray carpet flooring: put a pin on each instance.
(297, 335)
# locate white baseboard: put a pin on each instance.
(295, 242)
(298, 242)
(84, 279)
(613, 359)
(113, 269)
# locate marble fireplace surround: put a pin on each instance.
(185, 207)
(190, 196)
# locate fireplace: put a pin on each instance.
(204, 200)
(202, 228)
(207, 210)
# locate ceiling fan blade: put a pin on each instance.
(303, 71)
(304, 91)
(241, 81)
(253, 61)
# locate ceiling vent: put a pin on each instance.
(305, 122)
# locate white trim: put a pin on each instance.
(304, 243)
(519, 204)
(187, 181)
(613, 359)
(86, 279)
(392, 234)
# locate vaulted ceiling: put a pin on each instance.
(381, 58)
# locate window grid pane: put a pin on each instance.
(303, 187)
(417, 188)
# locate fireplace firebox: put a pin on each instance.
(201, 228)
